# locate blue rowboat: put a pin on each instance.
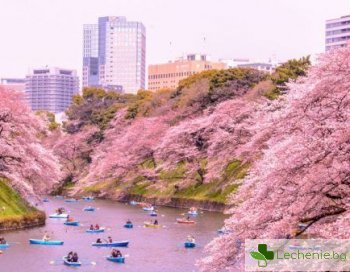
(71, 200)
(153, 213)
(116, 259)
(89, 209)
(189, 244)
(148, 209)
(223, 231)
(72, 223)
(95, 230)
(4, 246)
(128, 226)
(45, 200)
(88, 198)
(192, 213)
(66, 262)
(56, 215)
(113, 244)
(45, 243)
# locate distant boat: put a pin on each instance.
(71, 200)
(72, 223)
(185, 221)
(66, 262)
(148, 209)
(116, 259)
(113, 244)
(223, 230)
(56, 215)
(151, 225)
(95, 230)
(4, 246)
(128, 226)
(133, 203)
(193, 211)
(45, 200)
(45, 242)
(189, 244)
(89, 209)
(153, 213)
(88, 198)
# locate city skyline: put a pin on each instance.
(291, 29)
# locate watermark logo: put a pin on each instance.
(297, 255)
(262, 255)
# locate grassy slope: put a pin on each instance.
(11, 204)
(216, 190)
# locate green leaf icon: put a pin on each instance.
(257, 255)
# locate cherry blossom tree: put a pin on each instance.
(29, 166)
(303, 175)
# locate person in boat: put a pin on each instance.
(188, 218)
(70, 219)
(2, 241)
(190, 239)
(75, 257)
(99, 241)
(91, 227)
(46, 237)
(128, 222)
(110, 240)
(70, 256)
(97, 227)
(155, 222)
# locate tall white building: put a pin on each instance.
(121, 53)
(337, 32)
(51, 89)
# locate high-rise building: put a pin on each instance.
(337, 32)
(51, 89)
(121, 54)
(90, 55)
(15, 84)
(168, 75)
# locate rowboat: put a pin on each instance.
(151, 225)
(95, 230)
(113, 244)
(153, 213)
(185, 221)
(128, 226)
(66, 262)
(189, 244)
(148, 209)
(45, 200)
(223, 230)
(133, 203)
(3, 246)
(56, 215)
(72, 223)
(116, 259)
(45, 242)
(192, 213)
(71, 200)
(88, 198)
(89, 209)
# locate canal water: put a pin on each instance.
(149, 250)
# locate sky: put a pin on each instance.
(36, 33)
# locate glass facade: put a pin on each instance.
(121, 53)
(90, 55)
